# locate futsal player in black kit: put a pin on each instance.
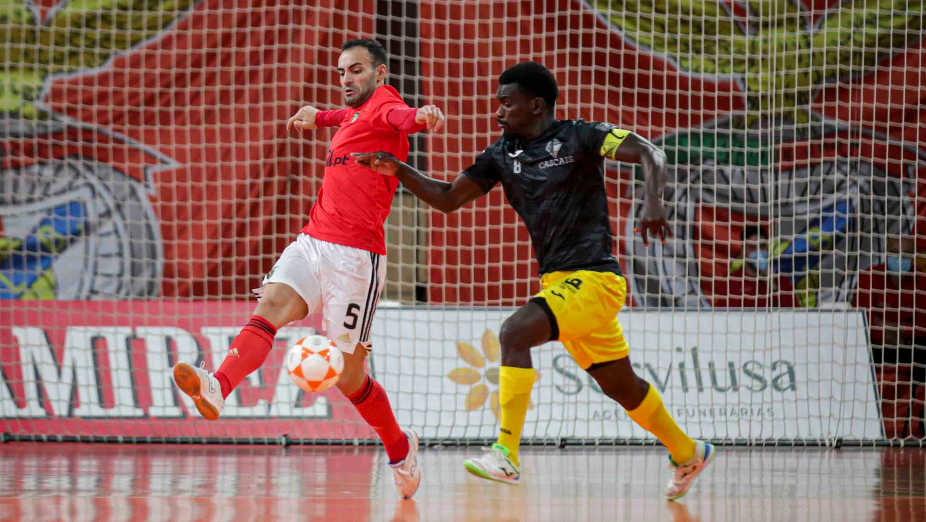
(552, 172)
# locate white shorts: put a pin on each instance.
(345, 282)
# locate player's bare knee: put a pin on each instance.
(354, 371)
(512, 338)
(515, 352)
(275, 297)
(280, 304)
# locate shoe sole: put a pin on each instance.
(710, 458)
(417, 484)
(188, 381)
(481, 473)
(413, 447)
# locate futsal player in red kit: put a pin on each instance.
(338, 262)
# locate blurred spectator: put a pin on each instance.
(752, 281)
(894, 293)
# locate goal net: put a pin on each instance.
(148, 184)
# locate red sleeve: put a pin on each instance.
(403, 119)
(330, 118)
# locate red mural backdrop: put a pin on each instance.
(163, 167)
(875, 117)
(602, 77)
(197, 114)
(194, 117)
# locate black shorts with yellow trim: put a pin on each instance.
(584, 305)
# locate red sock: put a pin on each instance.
(248, 351)
(373, 405)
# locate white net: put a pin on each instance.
(148, 184)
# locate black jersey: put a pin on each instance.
(555, 182)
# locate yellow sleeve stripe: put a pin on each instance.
(612, 141)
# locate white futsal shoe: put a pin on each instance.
(684, 474)
(494, 464)
(406, 472)
(202, 387)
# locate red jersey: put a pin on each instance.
(354, 201)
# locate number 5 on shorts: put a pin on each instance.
(351, 322)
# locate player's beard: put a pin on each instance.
(362, 93)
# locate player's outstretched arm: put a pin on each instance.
(633, 148)
(410, 119)
(310, 118)
(441, 195)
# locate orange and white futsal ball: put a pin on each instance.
(314, 363)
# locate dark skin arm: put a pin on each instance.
(448, 197)
(441, 195)
(637, 149)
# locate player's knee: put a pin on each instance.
(275, 297)
(512, 338)
(280, 304)
(524, 330)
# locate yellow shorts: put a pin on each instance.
(585, 304)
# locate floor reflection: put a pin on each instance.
(176, 482)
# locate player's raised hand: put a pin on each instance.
(380, 161)
(653, 223)
(304, 119)
(431, 116)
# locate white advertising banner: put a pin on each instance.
(722, 374)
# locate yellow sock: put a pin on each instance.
(514, 390)
(652, 416)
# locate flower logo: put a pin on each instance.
(475, 376)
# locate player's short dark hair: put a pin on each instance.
(533, 78)
(377, 52)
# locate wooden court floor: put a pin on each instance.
(51, 481)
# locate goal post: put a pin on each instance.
(148, 183)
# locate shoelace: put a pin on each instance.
(498, 460)
(211, 382)
(408, 472)
(682, 472)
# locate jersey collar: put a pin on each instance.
(516, 144)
